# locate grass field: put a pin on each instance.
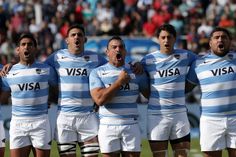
(194, 152)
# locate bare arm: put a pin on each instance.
(189, 87)
(146, 93)
(53, 95)
(137, 68)
(6, 68)
(102, 95)
(5, 97)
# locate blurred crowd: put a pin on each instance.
(49, 20)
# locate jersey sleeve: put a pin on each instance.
(143, 82)
(94, 80)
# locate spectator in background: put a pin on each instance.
(135, 22)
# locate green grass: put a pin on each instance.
(194, 152)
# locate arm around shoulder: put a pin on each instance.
(4, 97)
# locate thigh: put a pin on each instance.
(212, 134)
(180, 126)
(20, 152)
(2, 151)
(158, 145)
(41, 134)
(231, 152)
(2, 135)
(212, 153)
(130, 154)
(42, 152)
(130, 138)
(159, 127)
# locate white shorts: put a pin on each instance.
(74, 128)
(30, 131)
(2, 135)
(168, 127)
(217, 133)
(113, 138)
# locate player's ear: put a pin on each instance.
(107, 52)
(67, 42)
(85, 39)
(17, 50)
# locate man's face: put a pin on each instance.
(220, 43)
(26, 50)
(75, 41)
(166, 41)
(116, 52)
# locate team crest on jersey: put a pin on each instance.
(230, 56)
(64, 57)
(86, 58)
(177, 56)
(38, 71)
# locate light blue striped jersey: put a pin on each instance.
(167, 78)
(217, 79)
(1, 66)
(29, 86)
(122, 109)
(73, 72)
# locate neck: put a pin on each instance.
(75, 52)
(166, 51)
(27, 63)
(117, 64)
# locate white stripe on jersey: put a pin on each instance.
(168, 86)
(169, 101)
(16, 88)
(119, 111)
(29, 101)
(63, 58)
(74, 87)
(75, 102)
(216, 86)
(220, 101)
(170, 58)
(30, 72)
(108, 73)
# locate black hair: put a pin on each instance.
(27, 35)
(75, 26)
(115, 38)
(217, 29)
(166, 27)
